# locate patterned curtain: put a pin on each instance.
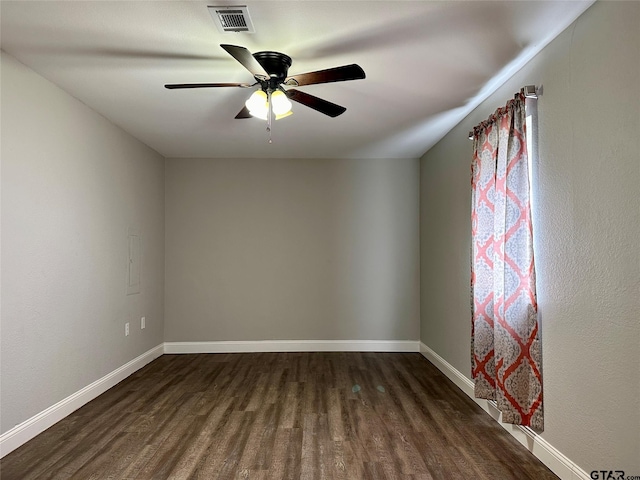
(505, 339)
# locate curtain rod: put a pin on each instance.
(529, 91)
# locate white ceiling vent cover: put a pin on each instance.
(232, 18)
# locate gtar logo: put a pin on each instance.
(607, 475)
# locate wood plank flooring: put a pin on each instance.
(278, 416)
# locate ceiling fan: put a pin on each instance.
(270, 70)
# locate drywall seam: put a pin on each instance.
(553, 458)
(25, 431)
(293, 346)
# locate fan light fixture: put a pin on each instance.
(258, 104)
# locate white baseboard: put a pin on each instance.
(553, 458)
(293, 346)
(28, 429)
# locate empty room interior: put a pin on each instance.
(287, 292)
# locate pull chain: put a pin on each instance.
(269, 114)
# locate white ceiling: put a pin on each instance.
(428, 64)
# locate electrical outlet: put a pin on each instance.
(142, 323)
(126, 329)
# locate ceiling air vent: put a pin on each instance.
(232, 18)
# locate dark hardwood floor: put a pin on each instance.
(278, 416)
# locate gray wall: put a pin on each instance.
(72, 186)
(292, 249)
(586, 224)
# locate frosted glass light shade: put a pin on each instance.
(280, 102)
(258, 105)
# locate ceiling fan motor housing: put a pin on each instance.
(276, 64)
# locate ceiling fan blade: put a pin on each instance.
(244, 113)
(337, 74)
(322, 106)
(247, 60)
(206, 85)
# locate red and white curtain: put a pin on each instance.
(505, 340)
